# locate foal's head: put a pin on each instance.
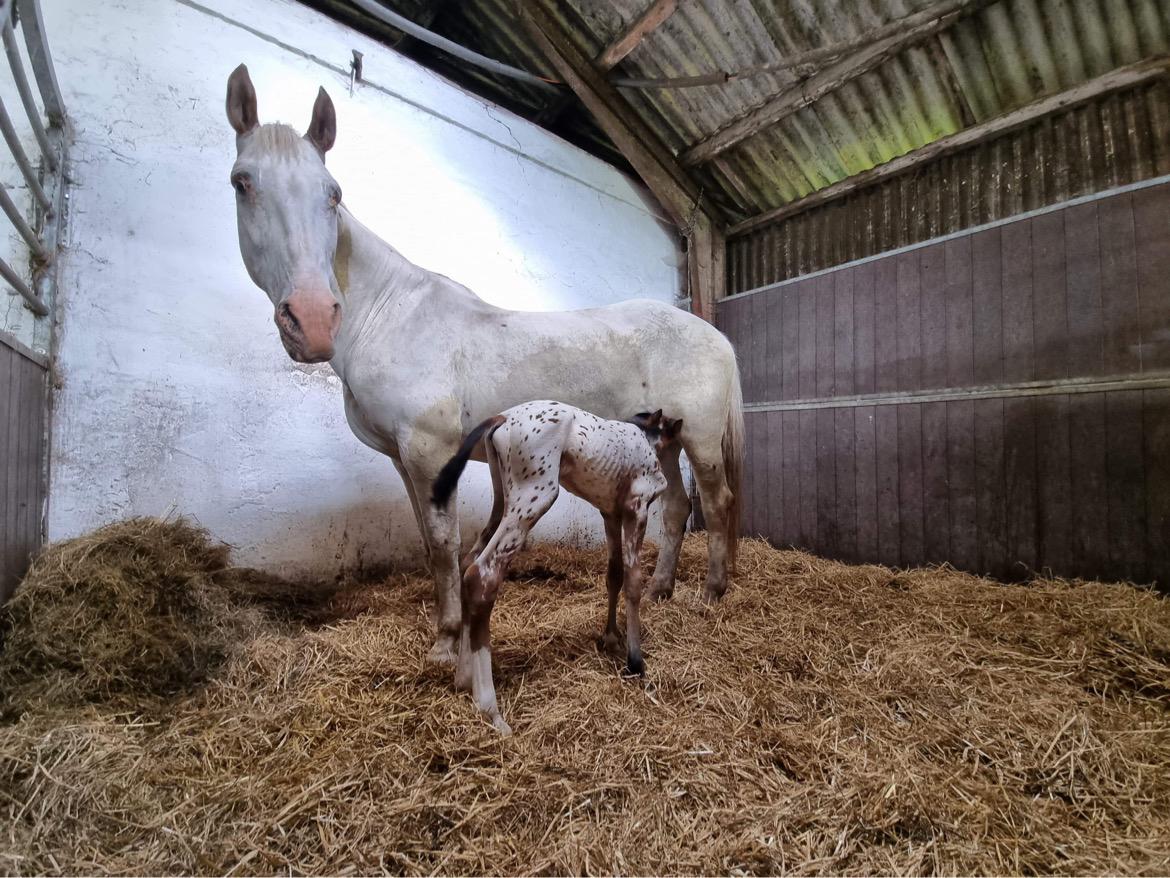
(660, 432)
(286, 214)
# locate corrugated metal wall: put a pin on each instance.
(999, 400)
(23, 412)
(1120, 139)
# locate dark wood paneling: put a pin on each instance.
(758, 316)
(22, 425)
(865, 467)
(987, 306)
(886, 322)
(910, 492)
(991, 514)
(931, 370)
(889, 509)
(1156, 421)
(1057, 477)
(962, 514)
(1151, 219)
(1089, 554)
(911, 320)
(775, 472)
(864, 342)
(935, 494)
(844, 457)
(1125, 471)
(1049, 296)
(1121, 340)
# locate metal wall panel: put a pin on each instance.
(23, 398)
(999, 400)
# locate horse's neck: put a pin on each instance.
(371, 275)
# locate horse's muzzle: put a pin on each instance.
(308, 323)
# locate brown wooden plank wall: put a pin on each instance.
(1025, 475)
(23, 388)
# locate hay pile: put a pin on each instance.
(136, 608)
(824, 719)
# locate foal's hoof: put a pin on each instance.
(443, 653)
(500, 726)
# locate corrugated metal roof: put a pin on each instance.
(999, 58)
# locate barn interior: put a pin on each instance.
(937, 236)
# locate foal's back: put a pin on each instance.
(599, 460)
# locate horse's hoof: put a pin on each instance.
(462, 682)
(659, 595)
(443, 653)
(500, 726)
(608, 644)
(711, 596)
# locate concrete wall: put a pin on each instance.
(176, 393)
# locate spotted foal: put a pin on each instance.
(532, 449)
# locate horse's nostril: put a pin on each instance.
(286, 313)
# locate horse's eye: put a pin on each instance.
(242, 183)
(334, 197)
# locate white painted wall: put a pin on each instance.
(176, 392)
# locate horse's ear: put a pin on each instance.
(323, 127)
(241, 101)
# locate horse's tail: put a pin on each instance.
(449, 475)
(733, 440)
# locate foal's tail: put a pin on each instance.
(449, 475)
(733, 441)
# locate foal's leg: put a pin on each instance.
(481, 541)
(633, 532)
(676, 508)
(482, 582)
(611, 637)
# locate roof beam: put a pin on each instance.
(640, 145)
(642, 27)
(1116, 80)
(908, 31)
(650, 158)
(624, 43)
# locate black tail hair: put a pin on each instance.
(449, 475)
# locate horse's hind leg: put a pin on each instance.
(676, 508)
(716, 496)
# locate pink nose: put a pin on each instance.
(308, 322)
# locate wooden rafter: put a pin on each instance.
(1116, 80)
(650, 158)
(628, 40)
(621, 45)
(899, 36)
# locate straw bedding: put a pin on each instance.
(825, 718)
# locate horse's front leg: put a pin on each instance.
(440, 532)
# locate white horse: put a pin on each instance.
(422, 359)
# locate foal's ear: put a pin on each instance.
(671, 428)
(646, 420)
(323, 126)
(241, 101)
